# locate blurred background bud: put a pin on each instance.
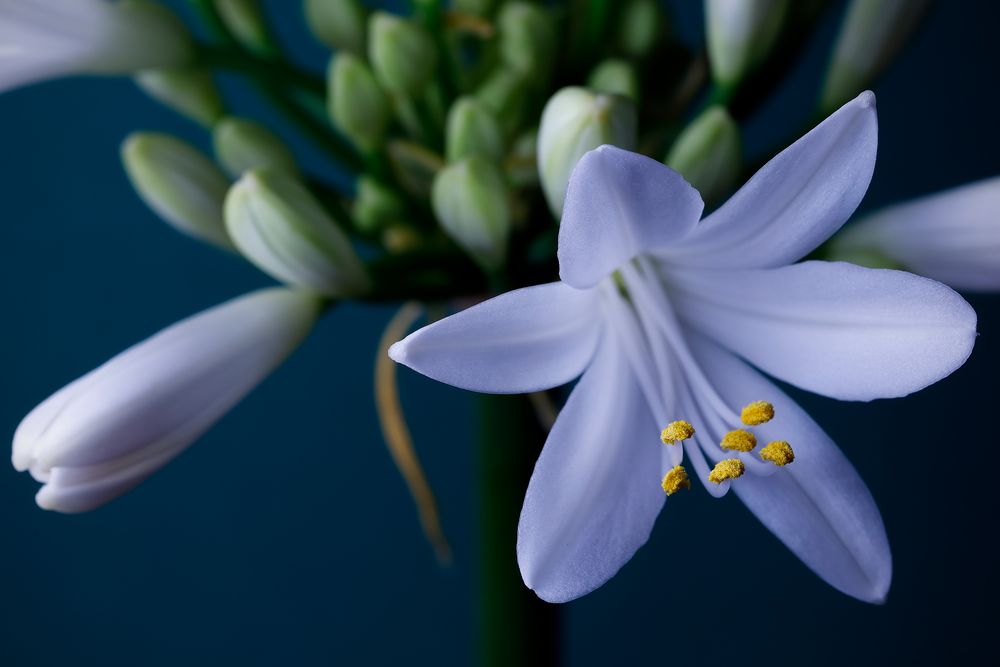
(740, 35)
(241, 145)
(414, 166)
(340, 24)
(505, 93)
(357, 104)
(245, 21)
(872, 32)
(402, 54)
(639, 26)
(577, 120)
(279, 226)
(470, 200)
(527, 39)
(521, 165)
(190, 91)
(615, 76)
(708, 154)
(376, 206)
(181, 184)
(478, 7)
(472, 129)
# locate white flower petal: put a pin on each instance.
(620, 204)
(795, 202)
(951, 236)
(817, 505)
(595, 492)
(522, 341)
(830, 327)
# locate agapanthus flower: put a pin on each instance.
(103, 434)
(665, 317)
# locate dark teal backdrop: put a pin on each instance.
(285, 537)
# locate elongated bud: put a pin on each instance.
(505, 93)
(639, 27)
(279, 226)
(472, 129)
(190, 91)
(242, 145)
(470, 200)
(340, 24)
(708, 153)
(740, 35)
(873, 31)
(521, 165)
(45, 39)
(575, 121)
(357, 104)
(376, 206)
(527, 38)
(245, 21)
(181, 184)
(414, 166)
(402, 54)
(615, 76)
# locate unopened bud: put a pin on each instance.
(639, 27)
(872, 33)
(357, 104)
(615, 76)
(527, 38)
(471, 202)
(402, 54)
(189, 91)
(521, 165)
(376, 206)
(708, 153)
(575, 121)
(472, 129)
(242, 145)
(279, 226)
(476, 7)
(245, 21)
(505, 93)
(181, 184)
(340, 24)
(740, 35)
(414, 166)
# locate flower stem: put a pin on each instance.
(515, 627)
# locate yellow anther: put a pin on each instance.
(676, 431)
(757, 413)
(675, 480)
(778, 452)
(727, 469)
(740, 440)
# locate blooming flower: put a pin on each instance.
(663, 315)
(43, 39)
(951, 236)
(103, 434)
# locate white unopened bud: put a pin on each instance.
(872, 33)
(708, 153)
(575, 121)
(471, 201)
(242, 145)
(45, 39)
(180, 183)
(340, 24)
(190, 91)
(740, 35)
(279, 226)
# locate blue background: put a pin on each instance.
(285, 536)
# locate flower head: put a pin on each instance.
(665, 316)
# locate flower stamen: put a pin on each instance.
(757, 413)
(778, 452)
(675, 480)
(726, 469)
(676, 432)
(739, 440)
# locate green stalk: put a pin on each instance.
(515, 627)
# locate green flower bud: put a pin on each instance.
(470, 200)
(245, 21)
(521, 166)
(615, 76)
(527, 38)
(189, 91)
(740, 35)
(639, 27)
(279, 226)
(340, 24)
(505, 93)
(575, 121)
(708, 153)
(414, 166)
(376, 206)
(472, 129)
(402, 54)
(181, 184)
(872, 33)
(476, 7)
(357, 105)
(242, 145)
